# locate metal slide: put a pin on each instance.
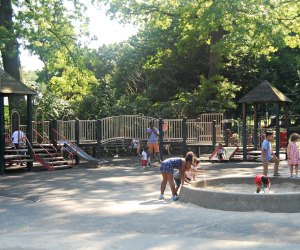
(230, 151)
(79, 152)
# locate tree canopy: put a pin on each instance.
(187, 58)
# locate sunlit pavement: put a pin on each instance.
(117, 207)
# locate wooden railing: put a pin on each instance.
(131, 127)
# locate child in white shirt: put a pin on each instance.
(144, 159)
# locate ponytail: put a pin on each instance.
(189, 157)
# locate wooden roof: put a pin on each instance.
(10, 86)
(264, 93)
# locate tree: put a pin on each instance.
(9, 48)
(47, 29)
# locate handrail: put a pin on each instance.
(13, 145)
(56, 133)
(45, 140)
(38, 158)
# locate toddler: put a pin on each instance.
(261, 182)
(293, 154)
(144, 159)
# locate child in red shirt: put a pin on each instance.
(261, 182)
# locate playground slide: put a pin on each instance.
(230, 151)
(80, 153)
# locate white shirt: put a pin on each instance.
(17, 136)
(144, 156)
(191, 173)
(135, 143)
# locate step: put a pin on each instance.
(8, 157)
(56, 158)
(22, 160)
(60, 167)
(15, 150)
(45, 155)
(56, 163)
(36, 150)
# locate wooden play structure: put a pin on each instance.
(58, 143)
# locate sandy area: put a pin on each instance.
(246, 188)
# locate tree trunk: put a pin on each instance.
(216, 36)
(10, 55)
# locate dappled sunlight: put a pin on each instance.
(122, 202)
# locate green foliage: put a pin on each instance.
(189, 57)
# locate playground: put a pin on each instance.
(117, 207)
(103, 199)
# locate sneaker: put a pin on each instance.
(174, 197)
(161, 197)
(275, 175)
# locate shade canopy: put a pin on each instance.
(10, 86)
(264, 93)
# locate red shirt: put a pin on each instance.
(257, 179)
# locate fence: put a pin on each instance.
(132, 127)
(125, 127)
(87, 131)
(66, 129)
(199, 132)
(43, 128)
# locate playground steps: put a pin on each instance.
(49, 159)
(16, 158)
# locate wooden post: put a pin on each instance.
(161, 139)
(184, 136)
(99, 138)
(53, 136)
(255, 131)
(226, 134)
(287, 123)
(277, 110)
(214, 134)
(77, 139)
(2, 136)
(198, 120)
(244, 132)
(29, 129)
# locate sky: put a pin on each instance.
(106, 30)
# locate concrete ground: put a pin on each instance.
(117, 207)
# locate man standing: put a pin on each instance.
(153, 135)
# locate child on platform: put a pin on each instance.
(261, 182)
(293, 154)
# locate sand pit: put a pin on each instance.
(282, 188)
(238, 194)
